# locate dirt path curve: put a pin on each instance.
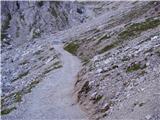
(52, 99)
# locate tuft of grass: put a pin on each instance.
(137, 28)
(21, 75)
(125, 58)
(72, 48)
(18, 97)
(103, 37)
(38, 52)
(158, 52)
(32, 85)
(85, 61)
(5, 26)
(36, 35)
(17, 31)
(29, 87)
(97, 99)
(114, 66)
(54, 66)
(86, 88)
(106, 108)
(24, 62)
(135, 67)
(107, 48)
(40, 3)
(141, 104)
(7, 110)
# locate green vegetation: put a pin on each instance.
(31, 85)
(7, 110)
(36, 33)
(106, 48)
(141, 104)
(86, 88)
(17, 31)
(137, 28)
(18, 97)
(103, 37)
(5, 26)
(114, 66)
(24, 62)
(21, 75)
(85, 60)
(97, 99)
(158, 52)
(125, 58)
(39, 3)
(38, 52)
(54, 66)
(106, 108)
(72, 47)
(135, 67)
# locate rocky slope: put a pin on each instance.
(28, 56)
(22, 21)
(121, 70)
(118, 43)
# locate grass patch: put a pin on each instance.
(85, 89)
(125, 58)
(24, 62)
(85, 61)
(38, 52)
(106, 108)
(137, 28)
(17, 31)
(21, 75)
(72, 47)
(54, 66)
(141, 104)
(158, 52)
(32, 85)
(7, 110)
(97, 99)
(18, 97)
(5, 26)
(135, 67)
(103, 37)
(107, 48)
(36, 34)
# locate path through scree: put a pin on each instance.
(52, 99)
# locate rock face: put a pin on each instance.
(22, 21)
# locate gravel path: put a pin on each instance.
(52, 99)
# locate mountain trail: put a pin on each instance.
(52, 99)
